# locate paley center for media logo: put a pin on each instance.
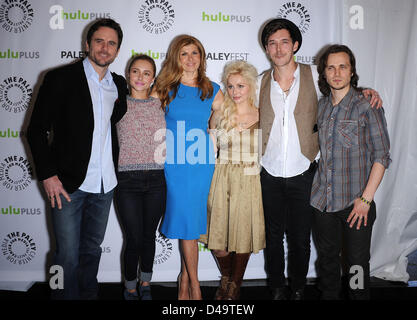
(15, 94)
(18, 248)
(15, 173)
(163, 249)
(296, 12)
(16, 16)
(156, 16)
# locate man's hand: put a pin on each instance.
(54, 188)
(376, 100)
(359, 213)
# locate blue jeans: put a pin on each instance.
(79, 229)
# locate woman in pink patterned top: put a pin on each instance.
(141, 192)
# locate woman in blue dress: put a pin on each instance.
(188, 98)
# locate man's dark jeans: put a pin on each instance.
(79, 229)
(287, 211)
(332, 232)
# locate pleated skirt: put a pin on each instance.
(235, 219)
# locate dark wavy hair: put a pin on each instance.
(109, 23)
(277, 24)
(321, 68)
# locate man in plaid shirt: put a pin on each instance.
(354, 148)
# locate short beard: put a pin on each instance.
(347, 85)
(103, 65)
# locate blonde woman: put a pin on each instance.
(235, 223)
(188, 98)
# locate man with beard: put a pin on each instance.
(70, 137)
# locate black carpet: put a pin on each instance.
(380, 290)
(386, 298)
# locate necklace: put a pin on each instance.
(287, 91)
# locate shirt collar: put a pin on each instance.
(345, 102)
(90, 73)
(296, 73)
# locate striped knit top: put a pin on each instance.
(141, 135)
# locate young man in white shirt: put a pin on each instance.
(288, 98)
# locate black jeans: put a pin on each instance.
(287, 211)
(140, 202)
(332, 234)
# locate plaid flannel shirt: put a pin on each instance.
(352, 137)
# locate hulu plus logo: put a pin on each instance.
(10, 54)
(11, 211)
(221, 17)
(9, 133)
(59, 16)
(152, 54)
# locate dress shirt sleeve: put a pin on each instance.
(378, 139)
(315, 75)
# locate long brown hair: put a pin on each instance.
(170, 76)
(321, 68)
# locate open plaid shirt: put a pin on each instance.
(352, 136)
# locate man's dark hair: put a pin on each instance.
(277, 24)
(336, 48)
(109, 23)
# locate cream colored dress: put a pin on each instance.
(235, 219)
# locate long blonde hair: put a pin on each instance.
(249, 73)
(170, 76)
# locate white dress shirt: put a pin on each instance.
(100, 167)
(283, 157)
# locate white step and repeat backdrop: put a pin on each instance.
(39, 35)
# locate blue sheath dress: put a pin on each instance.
(189, 164)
